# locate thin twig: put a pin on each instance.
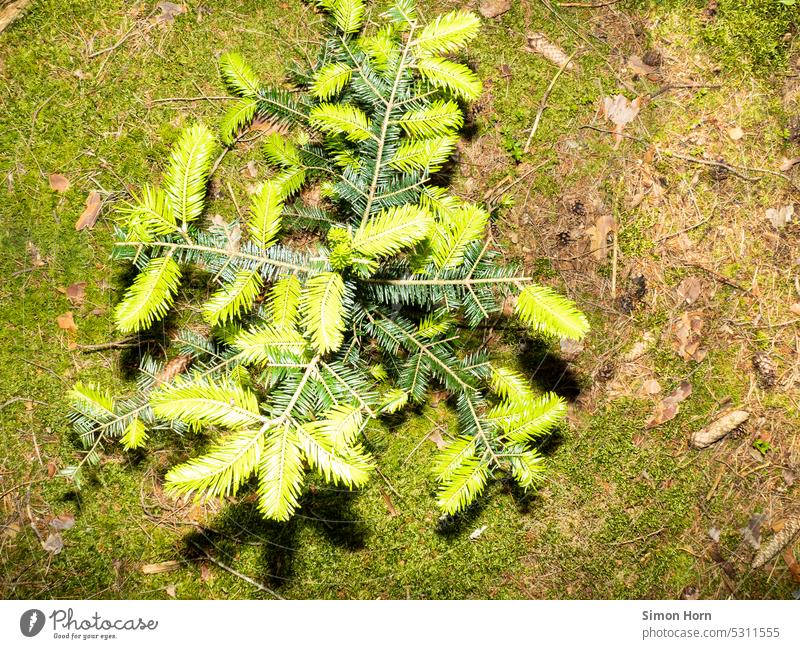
(718, 277)
(684, 86)
(640, 538)
(545, 97)
(236, 573)
(588, 5)
(118, 43)
(164, 100)
(113, 344)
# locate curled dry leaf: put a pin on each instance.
(59, 183)
(476, 534)
(35, 255)
(735, 133)
(780, 216)
(250, 170)
(639, 348)
(75, 292)
(570, 349)
(751, 533)
(66, 322)
(389, 504)
(668, 407)
(169, 10)
(651, 386)
(638, 66)
(620, 111)
(53, 544)
(539, 44)
(688, 333)
(720, 427)
(690, 288)
(174, 367)
(788, 163)
(435, 436)
(88, 217)
(494, 8)
(63, 522)
(602, 227)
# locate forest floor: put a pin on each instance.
(662, 235)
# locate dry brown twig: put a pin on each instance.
(545, 97)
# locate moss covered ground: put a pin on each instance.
(97, 91)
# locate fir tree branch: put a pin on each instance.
(218, 251)
(385, 126)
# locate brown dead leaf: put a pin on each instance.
(172, 590)
(10, 531)
(174, 367)
(435, 436)
(720, 427)
(620, 111)
(638, 66)
(75, 292)
(250, 170)
(494, 8)
(795, 308)
(668, 407)
(66, 322)
(169, 11)
(389, 504)
(639, 348)
(63, 522)
(690, 288)
(570, 349)
(688, 334)
(265, 126)
(59, 183)
(52, 469)
(788, 163)
(602, 227)
(651, 386)
(157, 568)
(205, 573)
(54, 543)
(35, 255)
(735, 133)
(791, 562)
(88, 217)
(780, 216)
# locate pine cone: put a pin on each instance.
(606, 372)
(578, 208)
(539, 44)
(174, 367)
(778, 542)
(765, 369)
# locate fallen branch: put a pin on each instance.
(113, 344)
(164, 100)
(588, 5)
(545, 97)
(236, 573)
(11, 12)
